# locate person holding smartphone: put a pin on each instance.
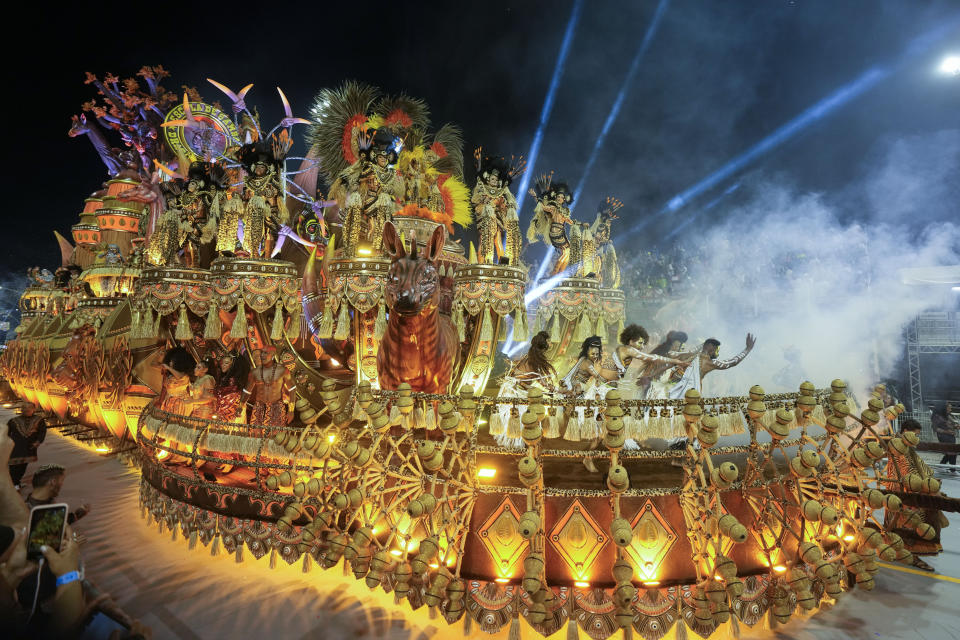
(47, 483)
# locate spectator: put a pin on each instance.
(47, 482)
(27, 431)
(946, 430)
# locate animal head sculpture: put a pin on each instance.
(413, 279)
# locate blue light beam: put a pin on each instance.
(821, 109)
(624, 90)
(548, 101)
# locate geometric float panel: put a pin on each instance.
(652, 540)
(500, 534)
(578, 539)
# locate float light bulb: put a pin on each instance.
(779, 568)
(486, 472)
(950, 66)
(502, 580)
(580, 584)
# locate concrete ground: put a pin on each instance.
(189, 594)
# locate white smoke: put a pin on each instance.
(816, 279)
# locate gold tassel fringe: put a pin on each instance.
(183, 325)
(380, 324)
(325, 330)
(212, 327)
(239, 329)
(276, 329)
(486, 331)
(343, 322)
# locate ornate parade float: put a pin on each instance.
(310, 378)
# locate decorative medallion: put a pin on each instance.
(578, 539)
(205, 142)
(652, 539)
(501, 537)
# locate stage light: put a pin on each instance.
(779, 568)
(548, 101)
(624, 89)
(396, 552)
(865, 81)
(486, 472)
(849, 538)
(502, 580)
(582, 585)
(331, 437)
(950, 66)
(364, 251)
(102, 449)
(952, 288)
(651, 583)
(334, 362)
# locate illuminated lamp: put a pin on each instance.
(581, 584)
(102, 450)
(779, 568)
(364, 251)
(651, 583)
(502, 580)
(486, 472)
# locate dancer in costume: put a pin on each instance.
(269, 391)
(550, 217)
(496, 210)
(231, 378)
(202, 399)
(606, 258)
(369, 190)
(531, 370)
(672, 346)
(175, 392)
(260, 208)
(678, 380)
(587, 380)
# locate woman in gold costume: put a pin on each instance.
(496, 210)
(370, 190)
(550, 217)
(606, 256)
(202, 399)
(260, 208)
(533, 370)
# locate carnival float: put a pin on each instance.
(309, 375)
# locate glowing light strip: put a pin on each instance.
(548, 101)
(824, 107)
(624, 89)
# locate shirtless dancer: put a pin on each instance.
(269, 390)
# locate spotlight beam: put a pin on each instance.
(624, 90)
(548, 101)
(865, 81)
(607, 125)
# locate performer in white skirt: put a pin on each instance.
(532, 370)
(632, 340)
(589, 381)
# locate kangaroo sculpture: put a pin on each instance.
(419, 346)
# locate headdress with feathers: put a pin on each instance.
(507, 170)
(338, 116)
(608, 207)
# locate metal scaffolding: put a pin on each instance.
(932, 332)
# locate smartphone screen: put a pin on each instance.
(47, 523)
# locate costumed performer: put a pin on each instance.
(550, 217)
(586, 380)
(531, 370)
(269, 391)
(632, 339)
(496, 210)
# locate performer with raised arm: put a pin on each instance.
(532, 370)
(678, 380)
(587, 380)
(550, 217)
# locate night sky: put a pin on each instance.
(717, 78)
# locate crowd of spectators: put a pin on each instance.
(46, 597)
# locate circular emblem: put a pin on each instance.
(216, 132)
